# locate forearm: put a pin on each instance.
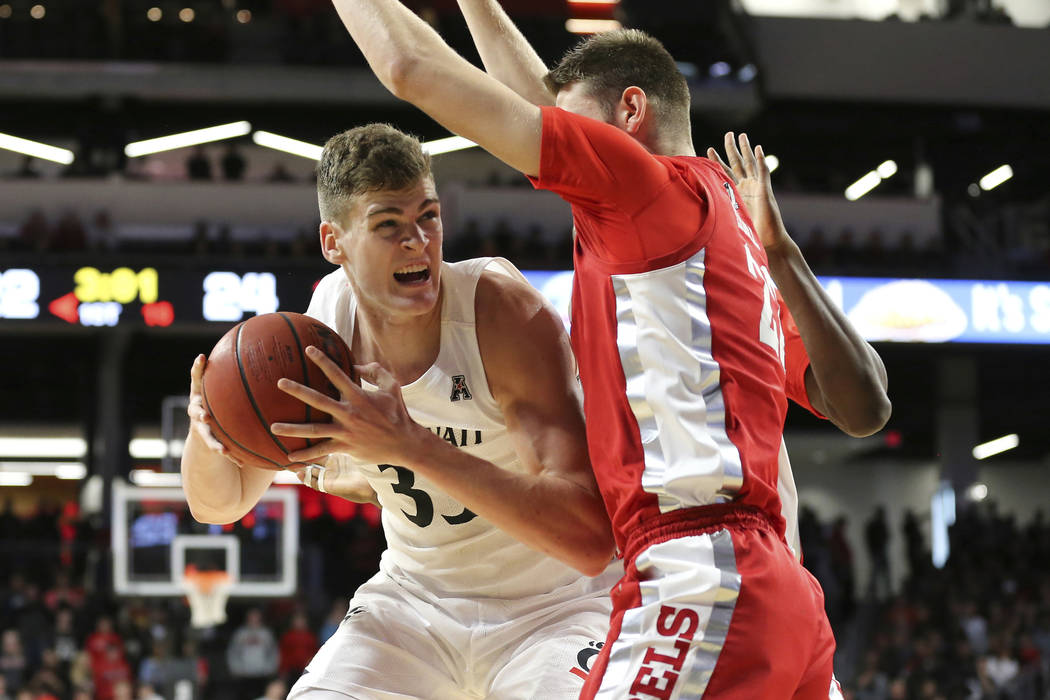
(217, 490)
(412, 61)
(507, 55)
(548, 512)
(849, 373)
(392, 38)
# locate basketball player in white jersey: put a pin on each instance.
(467, 430)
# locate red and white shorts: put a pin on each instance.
(717, 612)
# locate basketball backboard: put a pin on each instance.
(154, 538)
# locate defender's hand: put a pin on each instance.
(748, 170)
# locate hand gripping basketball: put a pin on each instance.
(238, 388)
(371, 426)
(198, 415)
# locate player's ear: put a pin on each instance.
(329, 232)
(632, 109)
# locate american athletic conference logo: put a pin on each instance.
(459, 388)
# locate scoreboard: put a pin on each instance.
(96, 296)
(881, 309)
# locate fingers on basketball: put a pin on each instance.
(335, 374)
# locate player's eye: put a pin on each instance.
(428, 215)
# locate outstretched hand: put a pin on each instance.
(371, 426)
(748, 170)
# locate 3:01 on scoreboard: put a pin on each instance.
(122, 285)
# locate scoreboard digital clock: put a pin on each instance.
(96, 296)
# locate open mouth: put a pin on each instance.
(412, 274)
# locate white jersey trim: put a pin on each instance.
(673, 386)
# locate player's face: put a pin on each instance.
(577, 98)
(393, 248)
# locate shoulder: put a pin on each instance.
(504, 302)
(518, 330)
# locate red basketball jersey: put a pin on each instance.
(680, 335)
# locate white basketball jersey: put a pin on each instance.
(433, 540)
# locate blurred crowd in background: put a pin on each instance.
(976, 629)
(65, 636)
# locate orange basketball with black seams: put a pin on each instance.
(240, 384)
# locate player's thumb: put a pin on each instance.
(197, 373)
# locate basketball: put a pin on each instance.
(240, 384)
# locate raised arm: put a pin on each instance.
(413, 62)
(507, 55)
(846, 380)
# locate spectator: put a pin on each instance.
(338, 612)
(252, 655)
(275, 690)
(876, 538)
(147, 692)
(122, 690)
(102, 234)
(168, 674)
(154, 668)
(13, 664)
(233, 164)
(975, 627)
(841, 555)
(69, 233)
(280, 174)
(198, 166)
(914, 543)
(110, 674)
(63, 594)
(999, 669)
(50, 677)
(298, 645)
(35, 233)
(26, 169)
(80, 674)
(34, 624)
(103, 639)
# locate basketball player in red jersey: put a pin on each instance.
(685, 354)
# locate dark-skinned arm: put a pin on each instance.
(846, 379)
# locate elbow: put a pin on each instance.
(871, 419)
(206, 516)
(595, 564)
(400, 75)
(594, 555)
